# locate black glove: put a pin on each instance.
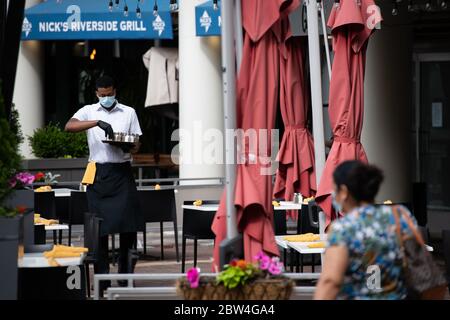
(105, 126)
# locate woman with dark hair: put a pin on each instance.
(363, 259)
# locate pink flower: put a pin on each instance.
(264, 263)
(12, 182)
(193, 276)
(25, 178)
(259, 256)
(275, 268)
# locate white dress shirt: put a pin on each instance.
(162, 84)
(121, 118)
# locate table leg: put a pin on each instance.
(313, 263)
(60, 237)
(301, 263)
(291, 260)
(54, 237)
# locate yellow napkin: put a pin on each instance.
(61, 251)
(307, 237)
(275, 203)
(43, 189)
(89, 174)
(47, 222)
(198, 203)
(316, 245)
(307, 200)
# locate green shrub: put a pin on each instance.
(52, 142)
(15, 126)
(9, 156)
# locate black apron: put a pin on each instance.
(114, 198)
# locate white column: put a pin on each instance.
(386, 133)
(200, 95)
(29, 90)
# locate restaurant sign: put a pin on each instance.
(208, 19)
(86, 19)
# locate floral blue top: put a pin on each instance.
(375, 260)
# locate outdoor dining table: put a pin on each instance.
(302, 248)
(284, 205)
(37, 278)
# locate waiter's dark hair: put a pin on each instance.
(362, 180)
(105, 82)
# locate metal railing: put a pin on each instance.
(173, 182)
(169, 292)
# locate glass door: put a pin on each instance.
(433, 136)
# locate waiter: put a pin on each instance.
(113, 195)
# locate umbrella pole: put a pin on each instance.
(229, 107)
(316, 94)
(325, 38)
(316, 86)
(239, 33)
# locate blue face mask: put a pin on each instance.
(107, 102)
(336, 205)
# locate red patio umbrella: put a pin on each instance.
(352, 23)
(296, 156)
(257, 93)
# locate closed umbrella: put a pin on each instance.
(256, 109)
(296, 156)
(352, 23)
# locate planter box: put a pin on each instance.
(11, 248)
(259, 289)
(20, 198)
(69, 169)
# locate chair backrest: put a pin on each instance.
(78, 207)
(308, 219)
(158, 205)
(280, 222)
(198, 223)
(92, 226)
(44, 204)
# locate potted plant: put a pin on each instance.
(22, 191)
(240, 280)
(11, 223)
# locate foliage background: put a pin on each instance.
(52, 142)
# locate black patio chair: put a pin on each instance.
(92, 226)
(44, 204)
(196, 226)
(307, 222)
(279, 221)
(78, 206)
(159, 206)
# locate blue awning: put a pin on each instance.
(92, 19)
(208, 19)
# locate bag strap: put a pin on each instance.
(398, 229)
(398, 211)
